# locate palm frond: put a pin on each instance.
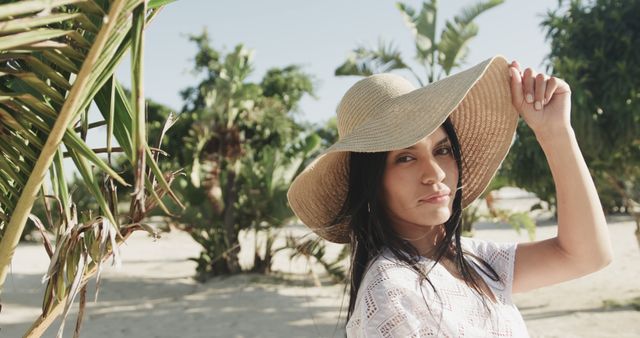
(467, 14)
(456, 35)
(422, 26)
(364, 61)
(56, 58)
(453, 44)
(46, 113)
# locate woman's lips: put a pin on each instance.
(437, 199)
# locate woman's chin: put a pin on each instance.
(438, 216)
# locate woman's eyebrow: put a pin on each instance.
(443, 141)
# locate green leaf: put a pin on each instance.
(453, 44)
(422, 26)
(21, 8)
(468, 14)
(365, 62)
(74, 142)
(159, 3)
(26, 38)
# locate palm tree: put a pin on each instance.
(57, 57)
(239, 146)
(447, 53)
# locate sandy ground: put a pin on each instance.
(154, 295)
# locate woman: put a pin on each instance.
(407, 162)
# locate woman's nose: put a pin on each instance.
(432, 172)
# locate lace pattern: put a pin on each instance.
(393, 302)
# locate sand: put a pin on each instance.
(153, 294)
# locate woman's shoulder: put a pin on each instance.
(389, 300)
(489, 250)
(386, 271)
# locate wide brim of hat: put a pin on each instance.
(479, 103)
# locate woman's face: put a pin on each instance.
(412, 175)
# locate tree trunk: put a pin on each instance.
(263, 265)
(230, 231)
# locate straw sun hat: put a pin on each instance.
(386, 112)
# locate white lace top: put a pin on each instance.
(391, 301)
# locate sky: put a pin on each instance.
(318, 35)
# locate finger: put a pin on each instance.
(552, 85)
(516, 87)
(540, 87)
(516, 64)
(528, 83)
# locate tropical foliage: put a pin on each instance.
(594, 48)
(57, 58)
(240, 147)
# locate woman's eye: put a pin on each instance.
(405, 158)
(444, 151)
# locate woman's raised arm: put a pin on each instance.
(582, 245)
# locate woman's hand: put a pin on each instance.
(543, 102)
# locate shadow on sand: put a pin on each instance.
(246, 305)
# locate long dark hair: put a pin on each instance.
(371, 230)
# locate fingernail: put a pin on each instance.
(529, 98)
(537, 105)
